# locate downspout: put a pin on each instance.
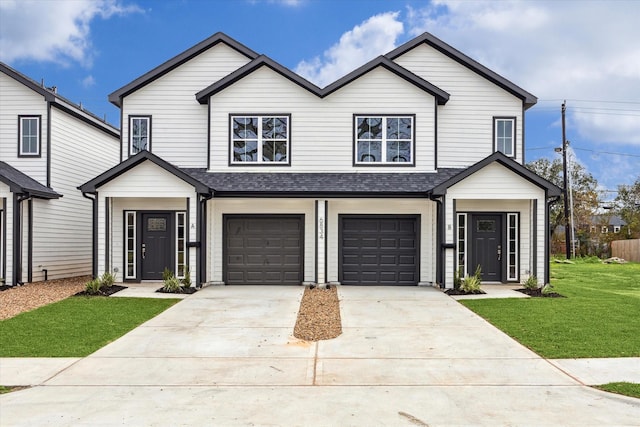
(17, 238)
(94, 235)
(547, 240)
(439, 239)
(201, 250)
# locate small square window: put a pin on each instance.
(616, 228)
(504, 130)
(29, 136)
(604, 229)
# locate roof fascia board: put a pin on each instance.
(528, 99)
(17, 188)
(116, 97)
(101, 126)
(505, 161)
(132, 162)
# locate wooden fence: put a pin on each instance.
(626, 249)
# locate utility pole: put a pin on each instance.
(567, 231)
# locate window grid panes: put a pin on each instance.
(512, 243)
(181, 255)
(381, 139)
(504, 132)
(139, 134)
(462, 243)
(130, 227)
(260, 139)
(29, 135)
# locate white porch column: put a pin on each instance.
(321, 242)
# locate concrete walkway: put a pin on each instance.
(225, 356)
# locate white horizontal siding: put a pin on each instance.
(465, 123)
(179, 122)
(15, 100)
(216, 208)
(322, 129)
(426, 210)
(147, 180)
(495, 182)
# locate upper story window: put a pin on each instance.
(29, 136)
(139, 134)
(384, 139)
(504, 131)
(260, 139)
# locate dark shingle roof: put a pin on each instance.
(329, 184)
(21, 183)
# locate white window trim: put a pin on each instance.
(126, 246)
(517, 246)
(604, 229)
(184, 238)
(259, 139)
(464, 240)
(21, 134)
(148, 120)
(497, 120)
(384, 140)
(616, 228)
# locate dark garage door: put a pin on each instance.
(263, 249)
(378, 250)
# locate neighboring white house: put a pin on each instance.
(400, 173)
(48, 147)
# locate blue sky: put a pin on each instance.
(586, 52)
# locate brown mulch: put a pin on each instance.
(36, 294)
(319, 315)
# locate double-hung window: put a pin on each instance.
(139, 134)
(260, 139)
(504, 131)
(29, 136)
(384, 139)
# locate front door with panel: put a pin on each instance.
(156, 251)
(486, 244)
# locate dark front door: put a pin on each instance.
(486, 241)
(378, 250)
(156, 250)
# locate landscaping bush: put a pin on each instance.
(471, 284)
(531, 283)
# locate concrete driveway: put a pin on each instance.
(225, 356)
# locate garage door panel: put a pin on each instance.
(379, 250)
(264, 249)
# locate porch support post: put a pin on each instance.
(321, 243)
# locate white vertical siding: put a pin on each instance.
(322, 129)
(179, 122)
(426, 209)
(465, 123)
(15, 100)
(219, 207)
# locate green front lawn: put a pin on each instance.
(599, 318)
(76, 326)
(627, 389)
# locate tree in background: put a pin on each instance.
(627, 205)
(585, 200)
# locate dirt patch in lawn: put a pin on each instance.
(319, 315)
(30, 296)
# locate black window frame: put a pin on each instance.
(412, 143)
(39, 136)
(513, 121)
(259, 138)
(132, 117)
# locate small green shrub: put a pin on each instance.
(471, 284)
(186, 281)
(167, 274)
(172, 284)
(531, 282)
(93, 287)
(108, 279)
(457, 279)
(547, 289)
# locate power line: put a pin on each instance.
(607, 152)
(591, 100)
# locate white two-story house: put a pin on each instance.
(400, 173)
(48, 146)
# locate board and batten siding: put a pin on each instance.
(179, 122)
(425, 209)
(62, 228)
(146, 187)
(496, 189)
(322, 130)
(18, 100)
(465, 122)
(216, 208)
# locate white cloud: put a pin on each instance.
(53, 31)
(375, 36)
(88, 81)
(554, 49)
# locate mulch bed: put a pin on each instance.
(319, 315)
(5, 287)
(537, 293)
(461, 292)
(103, 292)
(185, 290)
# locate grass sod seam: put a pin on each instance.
(599, 317)
(76, 326)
